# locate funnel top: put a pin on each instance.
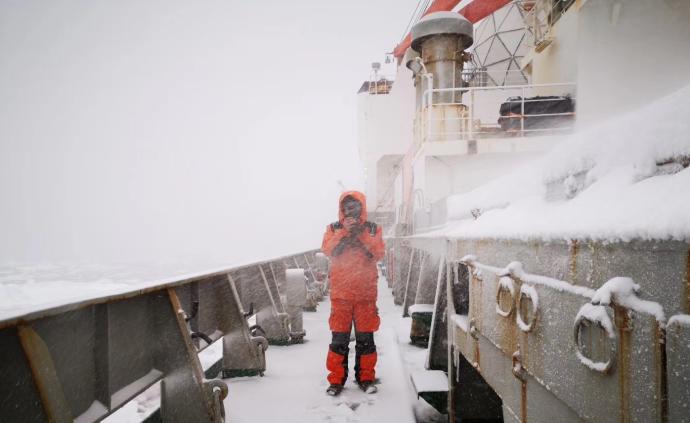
(442, 23)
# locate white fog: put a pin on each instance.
(348, 211)
(211, 132)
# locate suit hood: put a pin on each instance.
(357, 196)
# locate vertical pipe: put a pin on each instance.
(450, 311)
(522, 113)
(439, 54)
(440, 38)
(429, 105)
(471, 123)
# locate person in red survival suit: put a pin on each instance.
(354, 245)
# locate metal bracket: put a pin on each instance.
(474, 332)
(518, 371)
(218, 391)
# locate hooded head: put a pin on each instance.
(349, 197)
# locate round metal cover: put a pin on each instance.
(439, 23)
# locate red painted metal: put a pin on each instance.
(480, 9)
(401, 48)
(474, 12)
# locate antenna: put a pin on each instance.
(375, 66)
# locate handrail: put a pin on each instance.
(122, 344)
(501, 87)
(466, 117)
(135, 291)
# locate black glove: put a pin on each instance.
(358, 244)
(338, 250)
(353, 242)
(356, 230)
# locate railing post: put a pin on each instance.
(184, 394)
(45, 378)
(522, 113)
(471, 130)
(430, 103)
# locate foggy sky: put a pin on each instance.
(180, 130)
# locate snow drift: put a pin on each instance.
(623, 179)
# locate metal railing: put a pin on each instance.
(378, 84)
(557, 330)
(83, 361)
(541, 16)
(478, 116)
(490, 77)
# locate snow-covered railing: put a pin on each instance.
(536, 322)
(618, 291)
(621, 291)
(478, 115)
(581, 340)
(83, 361)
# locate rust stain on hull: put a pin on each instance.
(475, 311)
(476, 294)
(508, 329)
(572, 264)
(622, 319)
(661, 380)
(477, 356)
(523, 402)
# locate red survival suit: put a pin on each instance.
(353, 279)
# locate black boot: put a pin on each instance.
(368, 387)
(334, 390)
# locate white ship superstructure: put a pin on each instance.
(415, 156)
(538, 228)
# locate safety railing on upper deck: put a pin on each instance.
(541, 16)
(492, 76)
(469, 113)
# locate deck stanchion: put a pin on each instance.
(295, 298)
(243, 353)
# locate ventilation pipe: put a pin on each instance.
(441, 38)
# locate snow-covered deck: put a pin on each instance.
(293, 389)
(294, 385)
